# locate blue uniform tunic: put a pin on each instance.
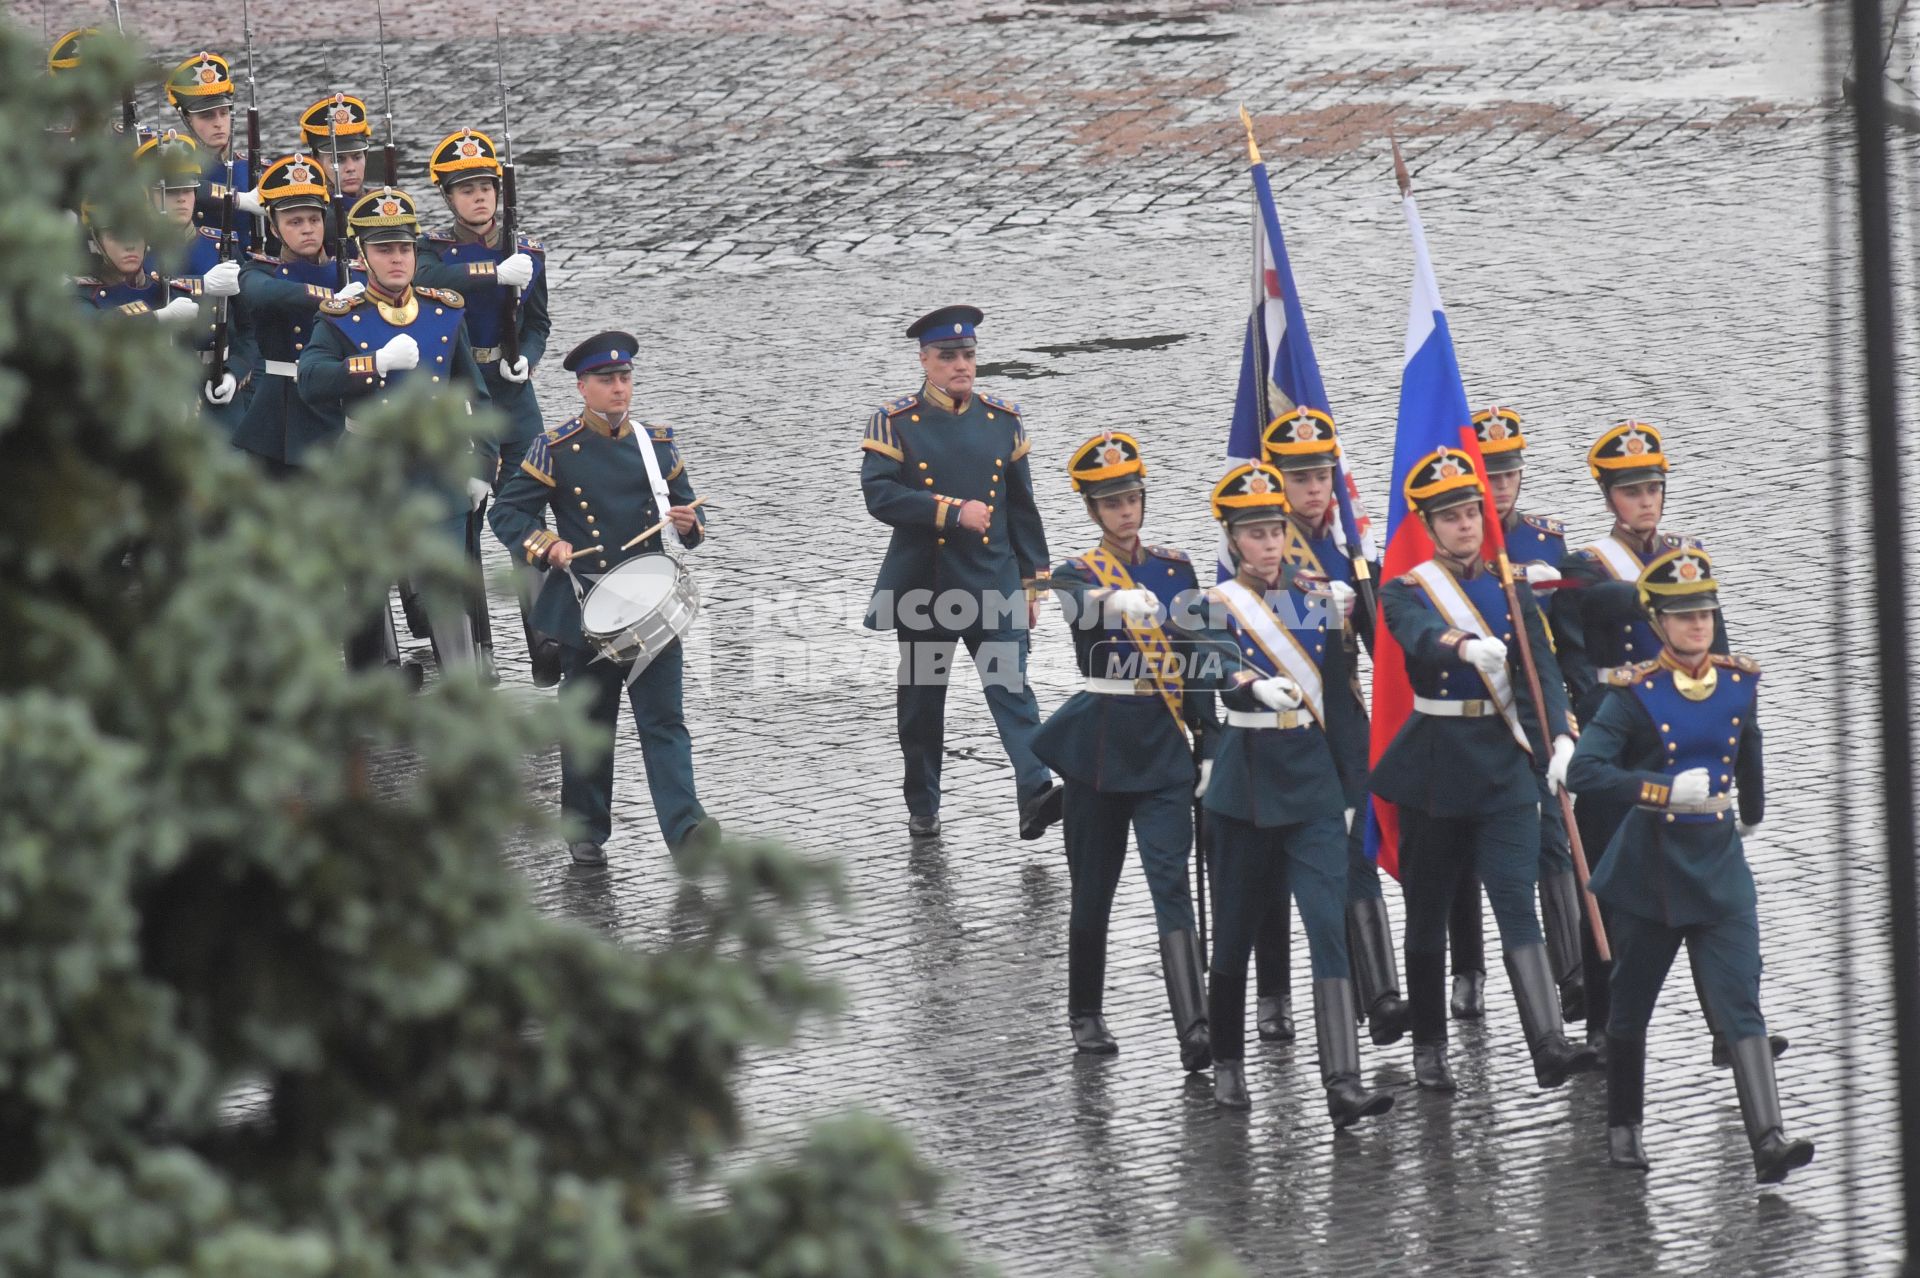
(213, 188)
(467, 266)
(590, 476)
(201, 253)
(1670, 876)
(282, 302)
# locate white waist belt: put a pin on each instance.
(1455, 709)
(281, 368)
(1269, 718)
(1712, 803)
(1120, 687)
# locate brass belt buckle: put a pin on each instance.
(1143, 687)
(1473, 709)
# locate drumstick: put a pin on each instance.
(657, 527)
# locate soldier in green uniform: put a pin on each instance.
(946, 469)
(1672, 741)
(602, 478)
(1536, 546)
(1276, 797)
(1121, 743)
(1461, 768)
(1304, 447)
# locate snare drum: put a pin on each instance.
(635, 611)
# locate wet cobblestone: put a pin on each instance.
(1626, 207)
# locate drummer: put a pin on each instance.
(604, 487)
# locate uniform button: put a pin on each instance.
(989, 416)
(929, 483)
(1732, 741)
(1736, 721)
(1726, 758)
(1629, 647)
(998, 462)
(1669, 818)
(438, 311)
(590, 518)
(1725, 779)
(940, 541)
(596, 532)
(363, 346)
(1666, 727)
(603, 563)
(1169, 572)
(576, 448)
(297, 346)
(443, 339)
(356, 319)
(576, 493)
(985, 540)
(583, 505)
(993, 492)
(436, 377)
(996, 476)
(923, 465)
(298, 329)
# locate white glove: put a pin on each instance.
(1206, 777)
(1488, 656)
(400, 352)
(478, 490)
(350, 292)
(518, 371)
(223, 393)
(1277, 693)
(515, 270)
(1746, 828)
(1691, 786)
(1350, 812)
(1137, 604)
(248, 202)
(1341, 596)
(221, 280)
(1538, 572)
(181, 310)
(1557, 765)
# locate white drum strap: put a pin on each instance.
(643, 440)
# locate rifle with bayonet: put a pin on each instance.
(129, 105)
(392, 155)
(509, 214)
(253, 128)
(337, 197)
(222, 307)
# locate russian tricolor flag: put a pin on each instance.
(1278, 371)
(1433, 408)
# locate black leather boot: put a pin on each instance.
(1469, 1001)
(1721, 1059)
(1597, 1042)
(1554, 1058)
(1275, 1018)
(1430, 1070)
(1086, 982)
(1626, 1099)
(1561, 921)
(1090, 1036)
(1774, 1154)
(1375, 972)
(1347, 1100)
(1230, 1085)
(1180, 961)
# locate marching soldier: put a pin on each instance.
(474, 258)
(200, 265)
(122, 281)
(1121, 744)
(602, 482)
(946, 469)
(1461, 768)
(201, 90)
(282, 297)
(351, 135)
(370, 344)
(1676, 737)
(1536, 546)
(1304, 447)
(1600, 625)
(1276, 795)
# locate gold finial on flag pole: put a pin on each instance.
(1253, 148)
(1400, 168)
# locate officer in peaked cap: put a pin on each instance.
(1536, 546)
(1598, 624)
(946, 468)
(503, 284)
(1674, 740)
(1304, 446)
(201, 90)
(601, 479)
(1461, 768)
(281, 296)
(369, 345)
(1276, 800)
(1121, 743)
(338, 122)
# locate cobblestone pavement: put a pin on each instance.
(1627, 208)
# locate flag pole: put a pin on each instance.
(1470, 443)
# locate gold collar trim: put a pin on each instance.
(601, 426)
(1131, 558)
(943, 401)
(1691, 686)
(401, 311)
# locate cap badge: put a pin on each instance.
(1257, 483)
(1303, 430)
(1687, 570)
(1447, 468)
(1112, 455)
(1497, 428)
(1633, 444)
(299, 173)
(389, 208)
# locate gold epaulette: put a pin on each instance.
(532, 246)
(894, 407)
(340, 306)
(1674, 541)
(565, 429)
(1174, 553)
(1627, 676)
(1552, 527)
(661, 434)
(998, 402)
(1746, 665)
(444, 296)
